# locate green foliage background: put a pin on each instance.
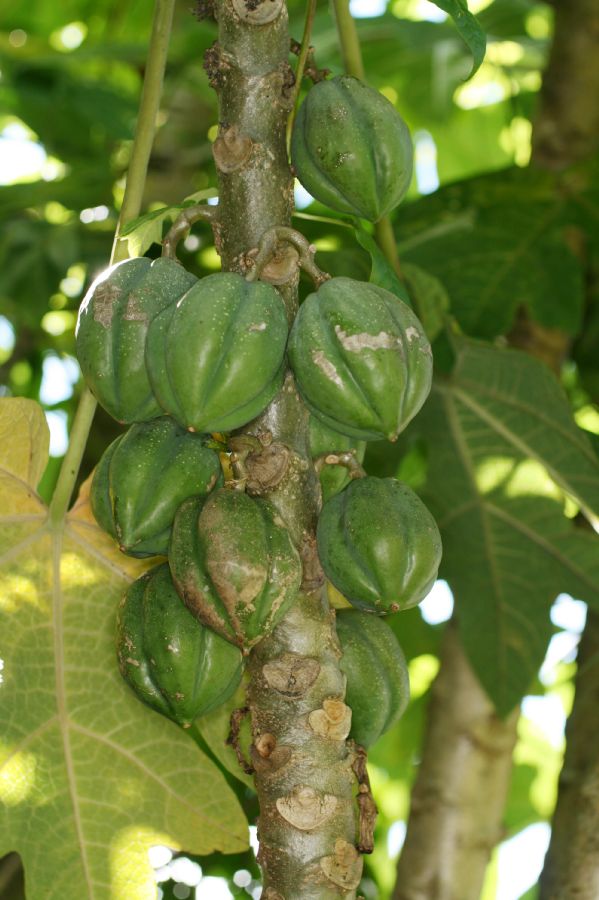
(497, 237)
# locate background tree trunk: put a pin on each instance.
(459, 795)
(568, 132)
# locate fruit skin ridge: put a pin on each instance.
(111, 332)
(215, 359)
(379, 545)
(169, 659)
(234, 565)
(351, 149)
(378, 684)
(143, 477)
(361, 359)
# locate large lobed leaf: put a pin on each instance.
(89, 777)
(498, 242)
(500, 439)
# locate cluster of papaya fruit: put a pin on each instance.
(179, 359)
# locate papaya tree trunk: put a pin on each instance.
(303, 763)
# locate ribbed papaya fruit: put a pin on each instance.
(143, 477)
(234, 564)
(379, 545)
(351, 149)
(361, 359)
(215, 359)
(378, 684)
(111, 332)
(173, 663)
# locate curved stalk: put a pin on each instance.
(132, 200)
(301, 65)
(302, 760)
(352, 61)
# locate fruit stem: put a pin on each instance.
(345, 458)
(385, 238)
(182, 225)
(268, 246)
(132, 200)
(352, 61)
(301, 65)
(146, 122)
(348, 39)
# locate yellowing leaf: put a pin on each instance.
(89, 777)
(24, 439)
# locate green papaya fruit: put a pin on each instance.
(112, 327)
(361, 359)
(143, 477)
(379, 545)
(234, 564)
(172, 662)
(351, 149)
(324, 440)
(378, 684)
(216, 358)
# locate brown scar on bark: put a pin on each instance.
(313, 575)
(231, 149)
(277, 758)
(344, 867)
(258, 12)
(271, 894)
(291, 675)
(265, 744)
(306, 808)
(216, 65)
(333, 720)
(266, 469)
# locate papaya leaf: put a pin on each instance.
(502, 446)
(498, 242)
(90, 778)
(429, 299)
(468, 27)
(146, 230)
(382, 273)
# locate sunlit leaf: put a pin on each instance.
(500, 438)
(89, 777)
(496, 243)
(146, 230)
(468, 27)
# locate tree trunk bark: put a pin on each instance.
(303, 763)
(567, 132)
(460, 791)
(572, 862)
